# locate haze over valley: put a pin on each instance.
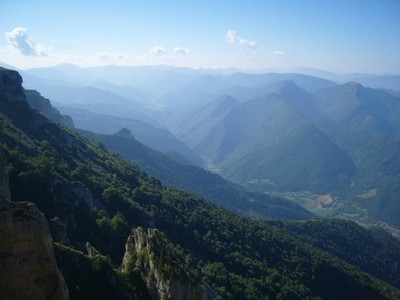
(298, 136)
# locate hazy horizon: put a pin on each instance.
(342, 37)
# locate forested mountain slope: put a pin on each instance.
(176, 172)
(269, 142)
(341, 142)
(365, 123)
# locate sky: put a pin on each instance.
(341, 36)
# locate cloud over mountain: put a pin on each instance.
(181, 50)
(280, 53)
(103, 56)
(20, 40)
(158, 50)
(233, 38)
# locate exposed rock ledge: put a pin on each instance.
(28, 269)
(147, 253)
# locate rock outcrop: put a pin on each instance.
(76, 193)
(59, 230)
(73, 196)
(28, 269)
(147, 253)
(91, 251)
(13, 102)
(11, 86)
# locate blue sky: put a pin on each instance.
(338, 36)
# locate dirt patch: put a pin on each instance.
(325, 199)
(368, 194)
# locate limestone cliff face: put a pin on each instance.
(147, 253)
(28, 269)
(74, 195)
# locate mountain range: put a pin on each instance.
(154, 137)
(319, 140)
(298, 156)
(337, 141)
(172, 244)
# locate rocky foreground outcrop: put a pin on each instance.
(147, 253)
(28, 269)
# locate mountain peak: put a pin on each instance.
(295, 97)
(354, 85)
(354, 88)
(286, 86)
(288, 82)
(124, 132)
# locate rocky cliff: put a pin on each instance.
(147, 253)
(23, 126)
(43, 105)
(28, 269)
(11, 86)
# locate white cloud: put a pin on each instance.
(113, 56)
(20, 40)
(234, 39)
(247, 43)
(231, 37)
(158, 50)
(279, 53)
(180, 50)
(103, 56)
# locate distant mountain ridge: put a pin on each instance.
(153, 137)
(360, 135)
(365, 123)
(98, 101)
(237, 137)
(336, 140)
(361, 109)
